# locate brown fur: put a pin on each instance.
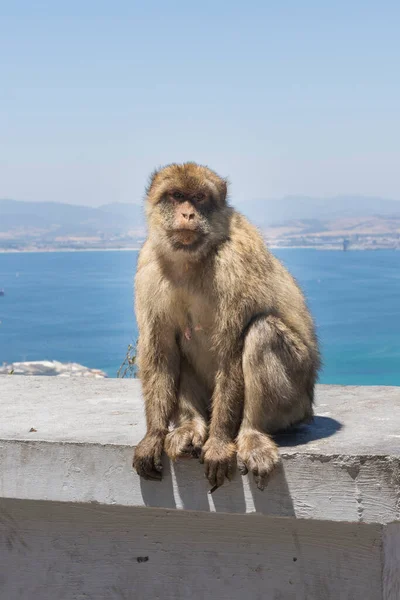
(227, 350)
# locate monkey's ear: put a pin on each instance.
(223, 189)
(151, 181)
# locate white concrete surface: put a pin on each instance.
(58, 551)
(77, 523)
(345, 466)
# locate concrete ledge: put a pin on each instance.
(66, 551)
(344, 467)
(77, 523)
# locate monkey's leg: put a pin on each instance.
(190, 421)
(278, 379)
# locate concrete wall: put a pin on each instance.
(77, 523)
(62, 551)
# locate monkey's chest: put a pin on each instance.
(196, 339)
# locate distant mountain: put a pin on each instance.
(127, 211)
(280, 211)
(50, 224)
(342, 227)
(64, 219)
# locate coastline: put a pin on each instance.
(51, 250)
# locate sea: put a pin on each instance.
(78, 307)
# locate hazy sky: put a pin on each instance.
(298, 97)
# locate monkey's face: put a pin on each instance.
(185, 203)
(185, 214)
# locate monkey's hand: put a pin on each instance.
(218, 457)
(257, 453)
(147, 458)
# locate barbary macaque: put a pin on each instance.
(227, 350)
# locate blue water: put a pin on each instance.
(79, 307)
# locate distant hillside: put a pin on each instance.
(67, 219)
(274, 212)
(20, 214)
(127, 211)
(343, 227)
(291, 220)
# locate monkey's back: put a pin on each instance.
(253, 277)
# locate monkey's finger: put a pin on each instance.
(196, 452)
(230, 471)
(243, 470)
(190, 451)
(186, 454)
(211, 472)
(196, 446)
(221, 472)
(153, 470)
(202, 457)
(260, 482)
(158, 464)
(261, 479)
(146, 469)
(150, 474)
(154, 467)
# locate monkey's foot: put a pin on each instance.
(257, 453)
(218, 457)
(186, 441)
(147, 457)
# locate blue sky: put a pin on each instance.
(285, 97)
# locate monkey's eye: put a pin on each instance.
(177, 195)
(200, 196)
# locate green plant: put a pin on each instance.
(128, 367)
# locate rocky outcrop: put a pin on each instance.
(50, 368)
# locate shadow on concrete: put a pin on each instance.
(184, 485)
(191, 485)
(159, 494)
(275, 499)
(319, 428)
(231, 497)
(237, 496)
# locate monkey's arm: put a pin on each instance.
(227, 407)
(158, 361)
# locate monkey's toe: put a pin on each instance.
(219, 461)
(257, 453)
(243, 470)
(183, 442)
(147, 458)
(178, 444)
(196, 451)
(216, 473)
(148, 468)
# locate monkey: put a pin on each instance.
(227, 350)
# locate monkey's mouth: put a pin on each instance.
(186, 239)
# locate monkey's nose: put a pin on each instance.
(188, 216)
